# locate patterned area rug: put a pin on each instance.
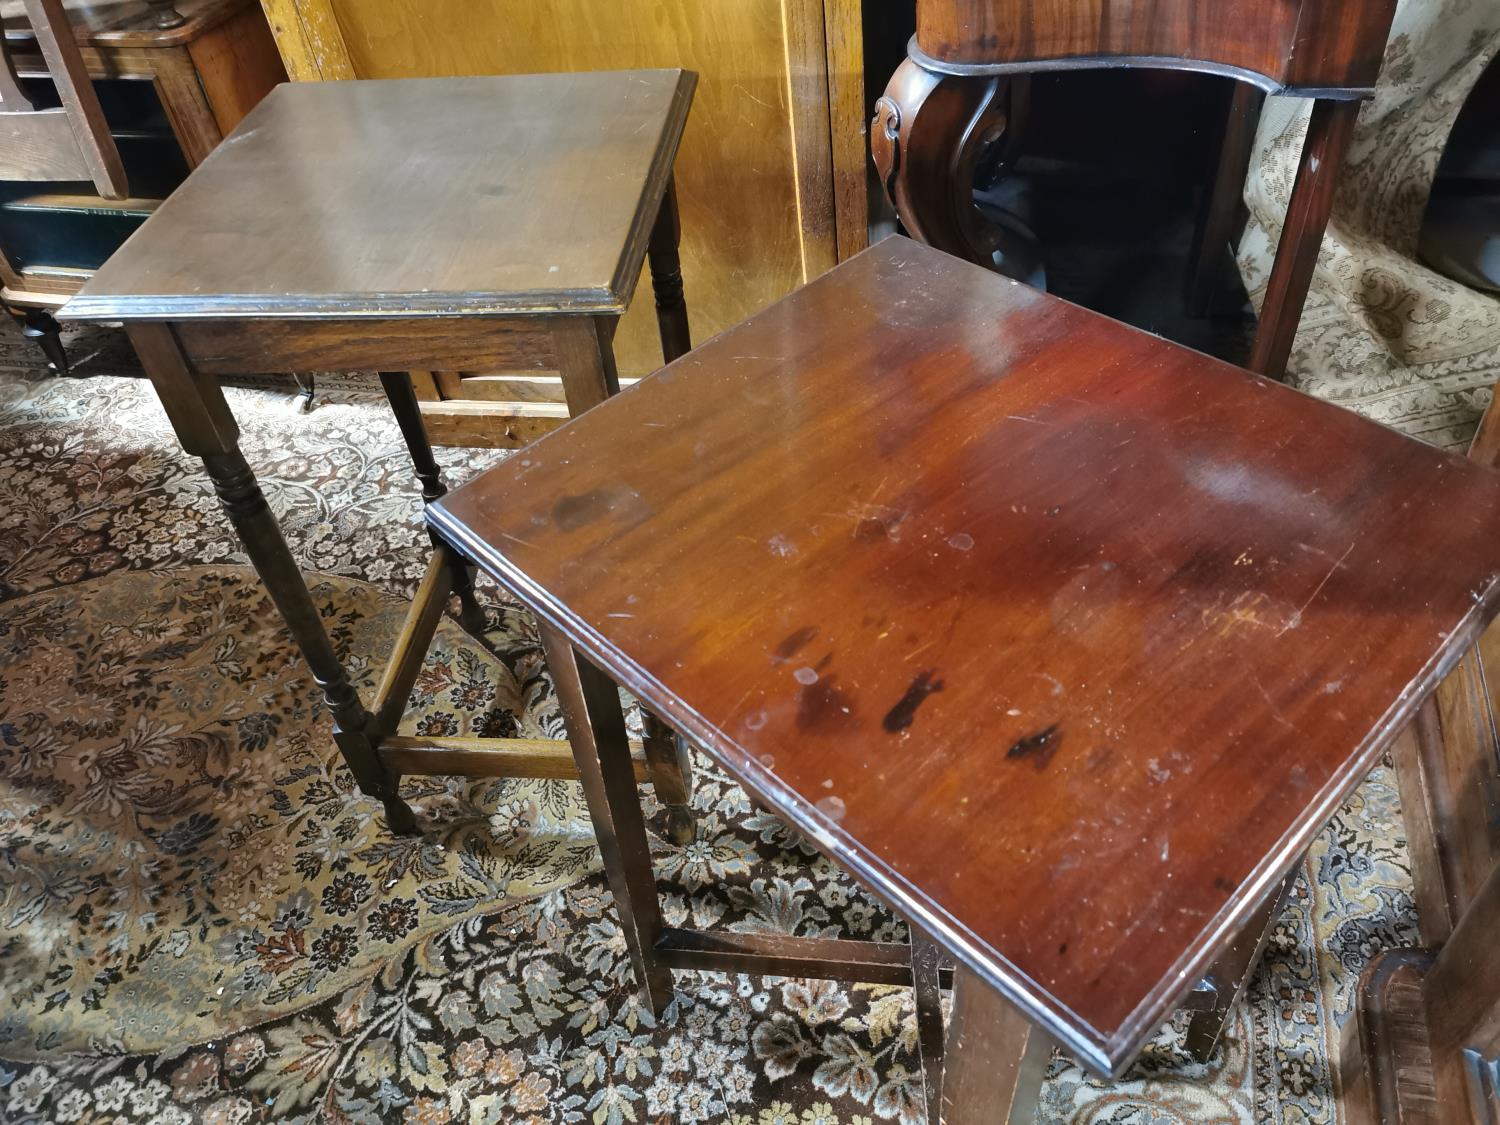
(368, 979)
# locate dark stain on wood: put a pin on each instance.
(1038, 747)
(572, 512)
(795, 642)
(899, 717)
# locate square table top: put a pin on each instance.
(530, 193)
(1064, 639)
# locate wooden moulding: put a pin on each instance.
(250, 346)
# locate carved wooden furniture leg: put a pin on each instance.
(403, 400)
(1231, 974)
(995, 1058)
(1328, 136)
(591, 712)
(928, 133)
(1423, 1045)
(201, 418)
(666, 278)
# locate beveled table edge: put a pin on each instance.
(1107, 1053)
(613, 300)
(91, 308)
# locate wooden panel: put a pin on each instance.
(40, 146)
(1064, 639)
(1307, 43)
(237, 64)
(240, 347)
(849, 123)
(310, 40)
(126, 23)
(491, 425)
(736, 173)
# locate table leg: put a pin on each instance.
(927, 997)
(590, 705)
(671, 775)
(403, 400)
(200, 416)
(928, 134)
(1231, 973)
(1328, 136)
(666, 277)
(586, 360)
(995, 1059)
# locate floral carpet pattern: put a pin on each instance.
(371, 979)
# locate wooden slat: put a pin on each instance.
(487, 757)
(309, 38)
(873, 962)
(412, 642)
(807, 94)
(508, 387)
(848, 122)
(240, 347)
(491, 425)
(70, 75)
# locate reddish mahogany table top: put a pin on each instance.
(1064, 639)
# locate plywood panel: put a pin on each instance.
(736, 175)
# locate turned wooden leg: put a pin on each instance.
(403, 400)
(666, 278)
(196, 408)
(928, 133)
(1231, 973)
(41, 328)
(1328, 136)
(590, 705)
(994, 1060)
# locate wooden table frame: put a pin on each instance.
(990, 1064)
(185, 359)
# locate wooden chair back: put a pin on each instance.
(71, 142)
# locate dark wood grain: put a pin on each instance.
(337, 199)
(1300, 45)
(253, 347)
(1064, 639)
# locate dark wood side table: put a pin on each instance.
(949, 100)
(489, 223)
(1062, 639)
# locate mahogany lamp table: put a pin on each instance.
(469, 224)
(1062, 639)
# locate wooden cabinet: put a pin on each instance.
(771, 175)
(168, 97)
